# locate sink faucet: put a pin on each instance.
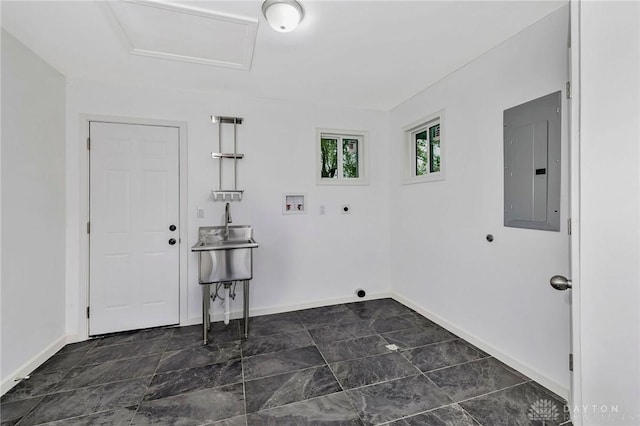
(227, 220)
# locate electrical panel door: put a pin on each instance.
(532, 164)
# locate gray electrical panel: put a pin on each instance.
(532, 164)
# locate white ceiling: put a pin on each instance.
(366, 54)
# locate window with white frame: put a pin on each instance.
(424, 153)
(342, 157)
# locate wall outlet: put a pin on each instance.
(200, 213)
(345, 209)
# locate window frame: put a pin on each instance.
(363, 156)
(410, 175)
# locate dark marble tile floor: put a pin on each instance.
(321, 366)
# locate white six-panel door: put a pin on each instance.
(134, 200)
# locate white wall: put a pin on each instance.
(610, 211)
(495, 294)
(302, 260)
(33, 209)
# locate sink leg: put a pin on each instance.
(245, 296)
(206, 298)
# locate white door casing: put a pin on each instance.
(575, 394)
(134, 199)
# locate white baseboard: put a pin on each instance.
(254, 312)
(491, 350)
(32, 364)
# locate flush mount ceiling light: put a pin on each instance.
(283, 15)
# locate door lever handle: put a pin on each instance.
(559, 282)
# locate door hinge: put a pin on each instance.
(88, 311)
(570, 362)
(89, 143)
(88, 227)
(568, 90)
(569, 226)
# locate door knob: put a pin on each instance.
(172, 241)
(559, 282)
(172, 228)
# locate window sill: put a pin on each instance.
(342, 182)
(434, 177)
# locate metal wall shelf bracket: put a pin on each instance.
(226, 120)
(226, 155)
(227, 194)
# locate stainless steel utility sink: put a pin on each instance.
(213, 238)
(225, 257)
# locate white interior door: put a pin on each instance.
(133, 239)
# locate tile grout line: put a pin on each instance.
(495, 391)
(389, 352)
(99, 339)
(477, 396)
(373, 333)
(100, 384)
(457, 338)
(469, 399)
(386, 381)
(420, 346)
(297, 402)
(281, 350)
(459, 364)
(75, 417)
(422, 412)
(244, 390)
(400, 378)
(288, 372)
(469, 414)
(42, 395)
(401, 352)
(84, 387)
(359, 357)
(201, 366)
(155, 372)
(29, 412)
(196, 366)
(355, 410)
(440, 389)
(121, 359)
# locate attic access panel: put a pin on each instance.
(186, 34)
(532, 133)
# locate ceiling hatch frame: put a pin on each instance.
(126, 12)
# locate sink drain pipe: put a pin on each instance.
(228, 294)
(227, 310)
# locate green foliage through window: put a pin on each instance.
(427, 150)
(329, 154)
(434, 146)
(422, 154)
(350, 158)
(341, 157)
